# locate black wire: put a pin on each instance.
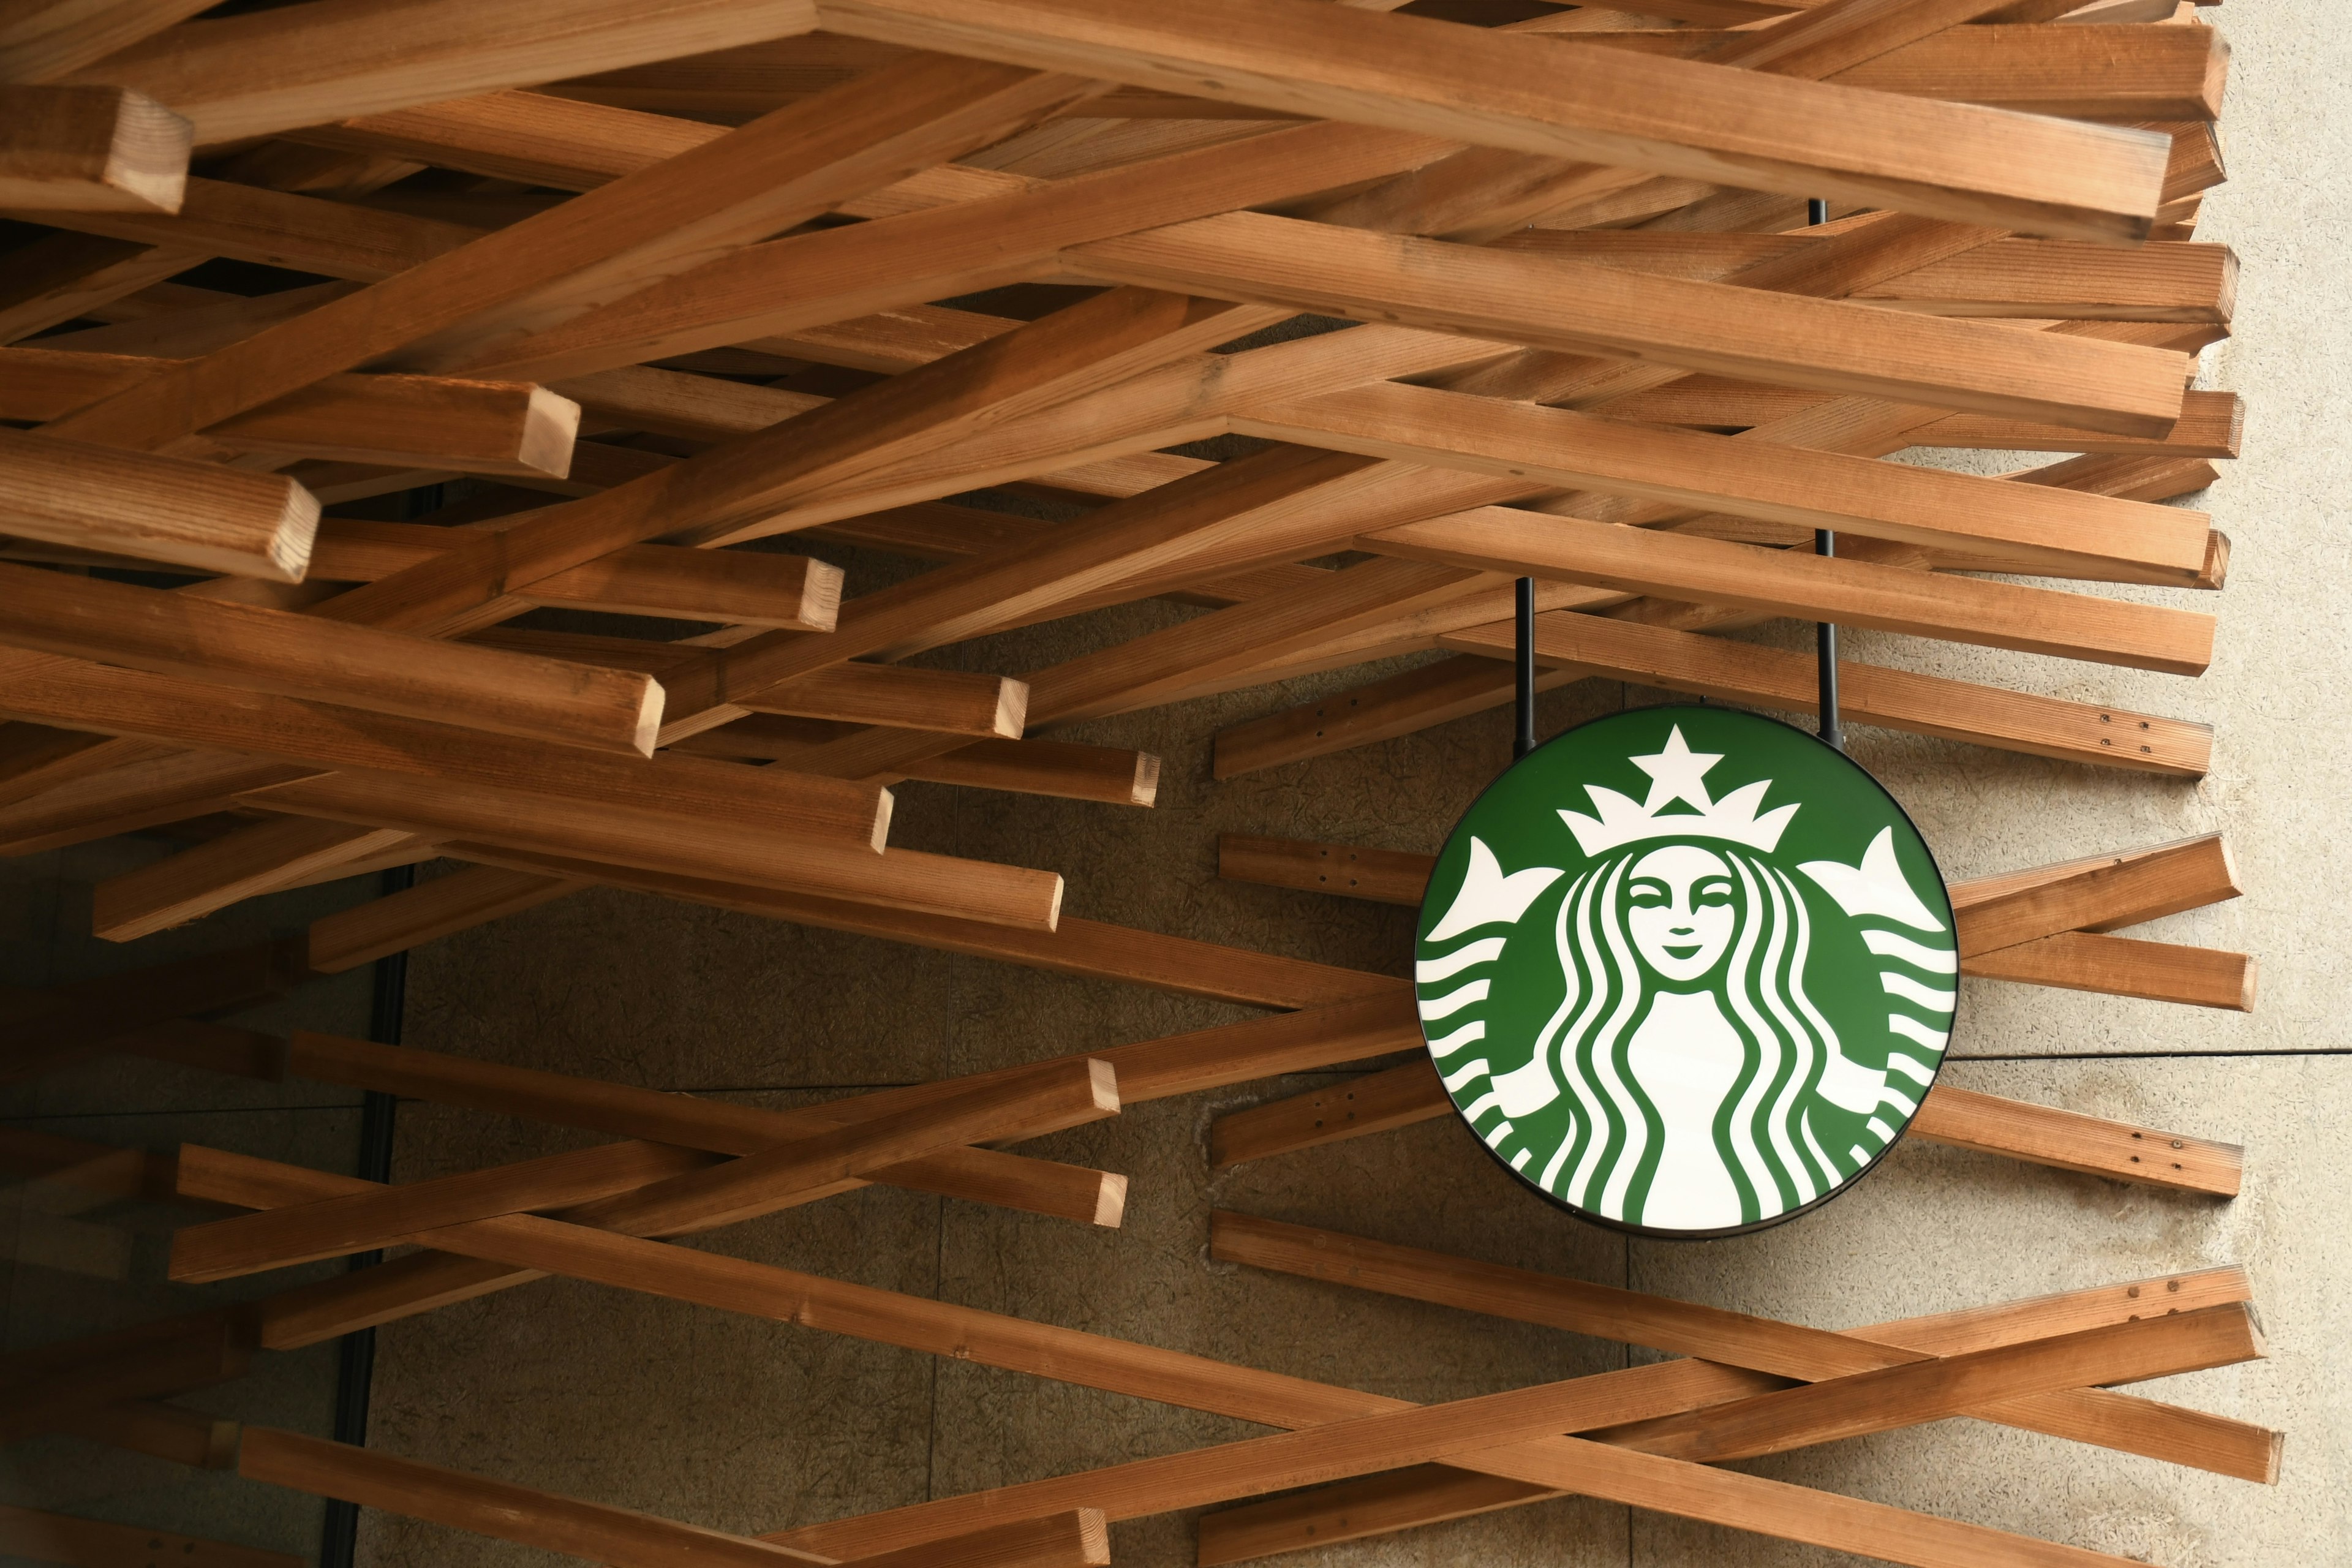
(355, 1352)
(1825, 649)
(1523, 667)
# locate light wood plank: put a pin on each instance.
(2073, 1141)
(597, 1531)
(440, 907)
(254, 648)
(979, 1175)
(195, 882)
(676, 846)
(2095, 895)
(1578, 308)
(2121, 966)
(1850, 593)
(89, 149)
(90, 1543)
(782, 169)
(480, 428)
(1492, 91)
(156, 509)
(1867, 694)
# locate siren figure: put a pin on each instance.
(1694, 1066)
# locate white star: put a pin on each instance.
(1674, 774)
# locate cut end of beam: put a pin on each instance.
(90, 149)
(1110, 1203)
(1012, 708)
(649, 719)
(551, 425)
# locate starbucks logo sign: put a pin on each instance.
(1686, 971)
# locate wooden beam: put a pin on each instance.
(314, 736)
(1518, 1425)
(1384, 876)
(90, 1544)
(195, 882)
(1869, 694)
(431, 910)
(64, 275)
(1851, 593)
(782, 170)
(673, 845)
(155, 509)
(2073, 1141)
(977, 1174)
(2120, 966)
(1067, 769)
(1181, 1064)
(254, 648)
(50, 1383)
(1988, 1123)
(1759, 478)
(1942, 159)
(44, 39)
(648, 1188)
(63, 1024)
(804, 281)
(90, 149)
(256, 78)
(279, 228)
(1401, 1501)
(473, 426)
(790, 593)
(597, 1531)
(145, 792)
(1580, 308)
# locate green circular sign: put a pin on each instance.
(1686, 971)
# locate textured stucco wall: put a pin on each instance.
(751, 1426)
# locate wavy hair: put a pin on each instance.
(1763, 1129)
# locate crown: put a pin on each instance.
(1675, 775)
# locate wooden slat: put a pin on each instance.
(49, 1384)
(2073, 1141)
(2121, 966)
(1384, 876)
(314, 736)
(1067, 769)
(90, 1544)
(90, 149)
(156, 509)
(597, 1531)
(475, 427)
(2098, 894)
(1851, 593)
(1867, 694)
(44, 39)
(2217, 1335)
(649, 1188)
(979, 1176)
(1447, 80)
(65, 1023)
(255, 648)
(63, 275)
(1578, 308)
(674, 844)
(791, 593)
(782, 169)
(280, 229)
(414, 916)
(1758, 478)
(195, 882)
(1991, 1124)
(263, 76)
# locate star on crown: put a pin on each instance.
(1675, 774)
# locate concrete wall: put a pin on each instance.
(751, 1425)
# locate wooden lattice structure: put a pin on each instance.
(1049, 296)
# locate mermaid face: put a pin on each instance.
(1679, 911)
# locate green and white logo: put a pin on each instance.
(1697, 1007)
